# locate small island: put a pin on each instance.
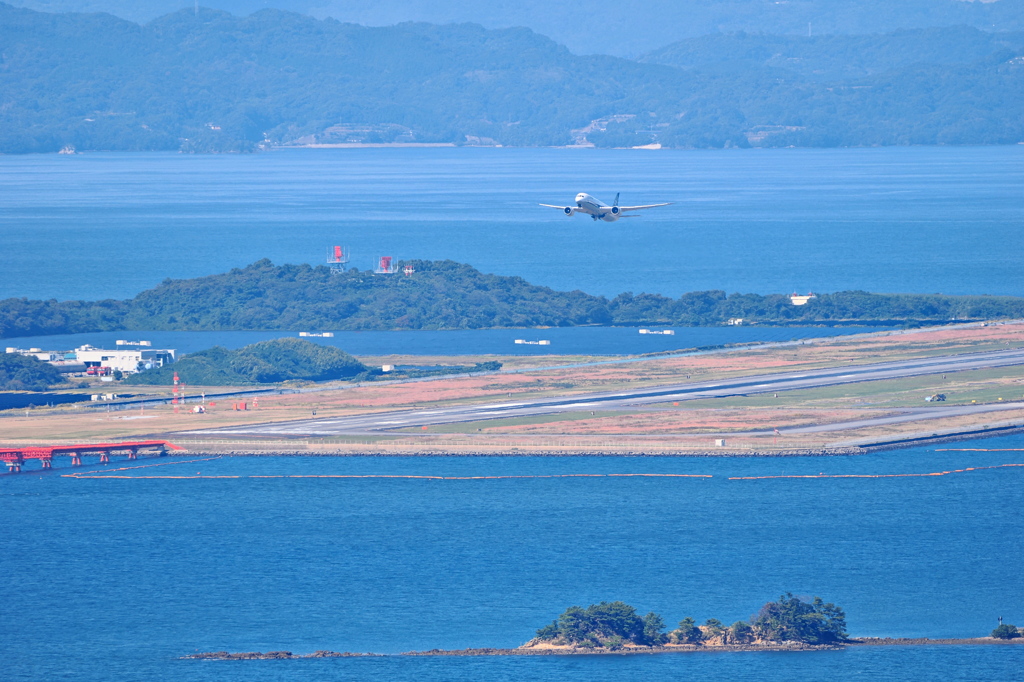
(789, 624)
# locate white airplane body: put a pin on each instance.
(599, 211)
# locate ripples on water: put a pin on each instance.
(910, 219)
(113, 579)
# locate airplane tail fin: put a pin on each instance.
(616, 199)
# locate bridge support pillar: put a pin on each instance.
(14, 466)
(47, 463)
(133, 454)
(76, 459)
(104, 458)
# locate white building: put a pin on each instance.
(127, 360)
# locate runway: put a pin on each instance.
(378, 422)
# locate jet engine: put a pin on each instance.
(569, 210)
(615, 210)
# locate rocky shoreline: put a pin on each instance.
(625, 651)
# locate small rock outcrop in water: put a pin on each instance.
(270, 655)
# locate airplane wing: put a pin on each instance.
(637, 208)
(561, 208)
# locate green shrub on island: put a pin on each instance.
(613, 625)
(260, 363)
(1006, 631)
(25, 373)
(606, 625)
(450, 295)
(792, 619)
(687, 633)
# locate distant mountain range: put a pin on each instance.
(624, 29)
(212, 81)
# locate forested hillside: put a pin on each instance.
(835, 57)
(449, 295)
(216, 82)
(259, 363)
(625, 29)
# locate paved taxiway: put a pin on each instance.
(747, 385)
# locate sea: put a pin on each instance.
(118, 578)
(892, 219)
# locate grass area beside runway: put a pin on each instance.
(548, 376)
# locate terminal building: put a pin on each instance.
(92, 360)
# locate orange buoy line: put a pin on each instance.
(135, 478)
(141, 466)
(111, 474)
(933, 473)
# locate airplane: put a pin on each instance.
(598, 211)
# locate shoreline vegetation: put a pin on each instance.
(789, 624)
(446, 295)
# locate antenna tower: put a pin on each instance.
(386, 266)
(337, 258)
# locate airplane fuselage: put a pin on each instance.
(595, 209)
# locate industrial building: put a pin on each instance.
(99, 361)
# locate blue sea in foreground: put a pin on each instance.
(898, 219)
(115, 578)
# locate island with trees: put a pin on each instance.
(790, 623)
(449, 295)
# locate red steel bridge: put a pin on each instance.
(15, 457)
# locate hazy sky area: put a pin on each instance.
(626, 29)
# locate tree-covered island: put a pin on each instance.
(613, 626)
(790, 623)
(450, 295)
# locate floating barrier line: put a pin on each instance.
(934, 473)
(141, 466)
(134, 478)
(478, 478)
(112, 474)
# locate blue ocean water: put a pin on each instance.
(907, 219)
(117, 578)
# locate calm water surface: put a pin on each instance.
(116, 578)
(564, 341)
(907, 219)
